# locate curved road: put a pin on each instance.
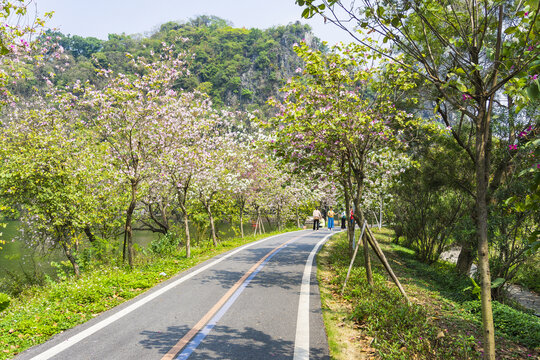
(260, 301)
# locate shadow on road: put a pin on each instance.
(284, 276)
(227, 343)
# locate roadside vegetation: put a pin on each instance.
(444, 321)
(435, 130)
(39, 312)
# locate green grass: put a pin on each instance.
(40, 312)
(442, 323)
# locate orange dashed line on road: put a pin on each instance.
(204, 320)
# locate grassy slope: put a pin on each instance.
(376, 323)
(41, 312)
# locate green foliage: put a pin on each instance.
(474, 289)
(43, 311)
(77, 45)
(400, 331)
(528, 274)
(100, 251)
(164, 244)
(443, 278)
(53, 171)
(523, 327)
(225, 59)
(528, 200)
(4, 301)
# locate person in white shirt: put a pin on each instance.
(316, 219)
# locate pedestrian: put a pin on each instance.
(331, 215)
(343, 219)
(316, 219)
(352, 219)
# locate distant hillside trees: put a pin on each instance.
(237, 67)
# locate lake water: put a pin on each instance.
(17, 258)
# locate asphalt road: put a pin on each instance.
(260, 301)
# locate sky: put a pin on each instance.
(98, 18)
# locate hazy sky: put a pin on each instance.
(98, 18)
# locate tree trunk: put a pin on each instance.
(350, 229)
(279, 218)
(212, 225)
(186, 230)
(365, 246)
(256, 221)
(262, 225)
(128, 229)
(242, 219)
(71, 258)
(182, 195)
(268, 220)
(89, 234)
(380, 214)
(465, 259)
(367, 260)
(188, 236)
(482, 176)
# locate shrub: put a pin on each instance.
(165, 244)
(4, 301)
(522, 327)
(529, 273)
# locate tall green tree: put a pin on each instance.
(468, 50)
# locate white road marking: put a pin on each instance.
(55, 350)
(301, 341)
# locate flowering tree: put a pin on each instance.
(127, 113)
(182, 139)
(17, 48)
(217, 172)
(300, 196)
(52, 172)
(256, 192)
(337, 114)
(246, 170)
(383, 166)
